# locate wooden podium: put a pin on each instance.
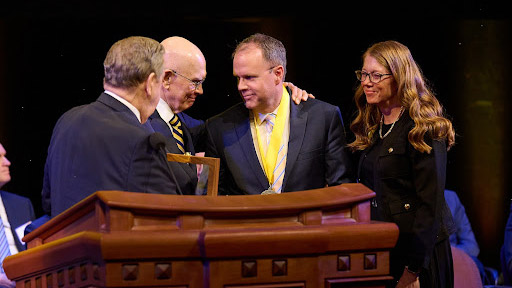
(315, 238)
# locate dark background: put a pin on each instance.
(51, 55)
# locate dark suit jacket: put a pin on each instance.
(19, 211)
(409, 188)
(196, 129)
(316, 149)
(101, 146)
(186, 174)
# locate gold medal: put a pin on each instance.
(268, 192)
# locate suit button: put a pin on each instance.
(407, 206)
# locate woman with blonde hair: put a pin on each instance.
(403, 138)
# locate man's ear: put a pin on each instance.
(279, 73)
(151, 83)
(166, 78)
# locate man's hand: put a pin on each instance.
(298, 95)
(199, 166)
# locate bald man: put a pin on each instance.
(184, 74)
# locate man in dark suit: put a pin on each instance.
(15, 213)
(269, 144)
(184, 73)
(106, 145)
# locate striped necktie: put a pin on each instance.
(281, 156)
(269, 126)
(4, 245)
(177, 133)
(279, 170)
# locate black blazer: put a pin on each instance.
(409, 188)
(101, 146)
(316, 149)
(186, 174)
(196, 128)
(19, 211)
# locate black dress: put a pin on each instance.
(409, 188)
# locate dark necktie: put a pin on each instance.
(177, 132)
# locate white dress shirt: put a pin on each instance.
(165, 112)
(8, 231)
(126, 103)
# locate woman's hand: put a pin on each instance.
(408, 280)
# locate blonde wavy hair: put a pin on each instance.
(414, 94)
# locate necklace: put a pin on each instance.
(392, 125)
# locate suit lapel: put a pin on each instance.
(160, 126)
(246, 146)
(189, 145)
(298, 120)
(191, 169)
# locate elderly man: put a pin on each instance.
(184, 73)
(268, 144)
(106, 145)
(15, 213)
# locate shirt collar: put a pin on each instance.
(164, 110)
(261, 116)
(126, 103)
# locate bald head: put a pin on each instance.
(182, 53)
(185, 65)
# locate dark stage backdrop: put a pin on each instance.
(51, 57)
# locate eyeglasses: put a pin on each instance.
(375, 77)
(194, 84)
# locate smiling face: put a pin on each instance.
(5, 175)
(259, 83)
(184, 65)
(181, 92)
(383, 93)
